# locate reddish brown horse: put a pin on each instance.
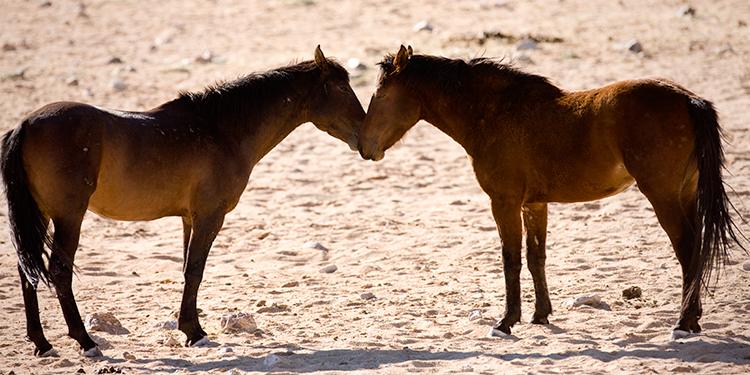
(190, 157)
(531, 143)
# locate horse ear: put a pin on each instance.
(320, 60)
(411, 51)
(401, 59)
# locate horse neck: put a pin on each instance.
(452, 114)
(257, 135)
(487, 108)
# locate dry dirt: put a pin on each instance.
(414, 230)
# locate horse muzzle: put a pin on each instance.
(371, 155)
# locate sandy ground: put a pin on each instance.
(414, 230)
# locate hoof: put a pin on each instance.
(494, 332)
(202, 342)
(49, 353)
(678, 334)
(93, 352)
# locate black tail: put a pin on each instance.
(28, 225)
(715, 229)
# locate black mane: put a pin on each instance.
(245, 99)
(456, 76)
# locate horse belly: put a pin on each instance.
(592, 185)
(136, 202)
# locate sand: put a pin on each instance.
(419, 278)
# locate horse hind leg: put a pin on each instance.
(676, 213)
(33, 324)
(535, 222)
(67, 232)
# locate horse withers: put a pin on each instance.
(190, 157)
(531, 143)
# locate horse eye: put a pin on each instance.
(343, 89)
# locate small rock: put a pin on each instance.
(314, 245)
(272, 360)
(105, 322)
(422, 26)
(633, 45)
(522, 58)
(724, 50)
(87, 93)
(128, 356)
(114, 60)
(474, 315)
(45, 4)
(225, 351)
(165, 326)
(9, 47)
(72, 81)
(117, 84)
(168, 340)
(746, 266)
(632, 292)
(527, 45)
(367, 296)
(354, 63)
(467, 368)
(592, 300)
(291, 284)
(205, 57)
(241, 322)
(331, 268)
(17, 74)
(685, 11)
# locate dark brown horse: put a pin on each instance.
(531, 143)
(190, 157)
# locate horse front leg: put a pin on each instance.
(507, 216)
(204, 231)
(535, 222)
(33, 325)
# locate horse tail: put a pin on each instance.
(28, 225)
(714, 227)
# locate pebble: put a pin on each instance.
(272, 360)
(114, 60)
(241, 322)
(354, 63)
(331, 268)
(367, 296)
(168, 340)
(87, 93)
(9, 47)
(225, 351)
(746, 266)
(527, 45)
(167, 326)
(104, 322)
(467, 368)
(474, 315)
(128, 356)
(685, 11)
(422, 26)
(522, 58)
(117, 84)
(633, 45)
(72, 81)
(632, 292)
(592, 300)
(314, 245)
